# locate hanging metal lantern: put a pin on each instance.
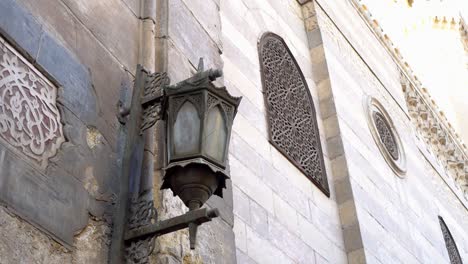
(199, 123)
(199, 119)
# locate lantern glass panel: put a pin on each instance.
(186, 132)
(215, 134)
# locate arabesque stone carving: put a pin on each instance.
(440, 138)
(29, 119)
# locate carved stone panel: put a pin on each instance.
(453, 253)
(385, 135)
(29, 119)
(290, 110)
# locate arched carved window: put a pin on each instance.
(292, 123)
(450, 243)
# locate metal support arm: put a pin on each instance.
(160, 228)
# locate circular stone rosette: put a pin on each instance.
(385, 135)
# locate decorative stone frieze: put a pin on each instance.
(431, 125)
(385, 135)
(464, 33)
(29, 119)
(441, 139)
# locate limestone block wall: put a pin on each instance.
(60, 213)
(279, 215)
(188, 30)
(397, 218)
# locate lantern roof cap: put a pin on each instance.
(203, 80)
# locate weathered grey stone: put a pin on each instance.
(121, 39)
(258, 219)
(56, 19)
(331, 127)
(23, 243)
(314, 37)
(77, 93)
(319, 259)
(348, 213)
(54, 202)
(91, 244)
(134, 6)
(343, 190)
(357, 257)
(190, 38)
(335, 147)
(204, 14)
(327, 107)
(285, 214)
(352, 238)
(240, 234)
(330, 225)
(243, 258)
(324, 90)
(253, 114)
(224, 204)
(242, 151)
(249, 183)
(263, 251)
(241, 204)
(303, 1)
(19, 26)
(179, 67)
(320, 71)
(243, 63)
(290, 244)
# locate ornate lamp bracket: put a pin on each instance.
(136, 223)
(152, 101)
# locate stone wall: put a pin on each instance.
(280, 216)
(193, 31)
(59, 211)
(398, 217)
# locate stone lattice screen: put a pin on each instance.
(291, 118)
(452, 249)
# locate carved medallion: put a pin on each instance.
(385, 135)
(290, 110)
(29, 118)
(453, 253)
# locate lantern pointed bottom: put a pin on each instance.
(194, 183)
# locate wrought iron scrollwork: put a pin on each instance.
(152, 99)
(290, 110)
(136, 243)
(138, 251)
(142, 213)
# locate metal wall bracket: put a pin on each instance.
(140, 240)
(153, 99)
(135, 225)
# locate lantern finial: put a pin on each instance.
(201, 65)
